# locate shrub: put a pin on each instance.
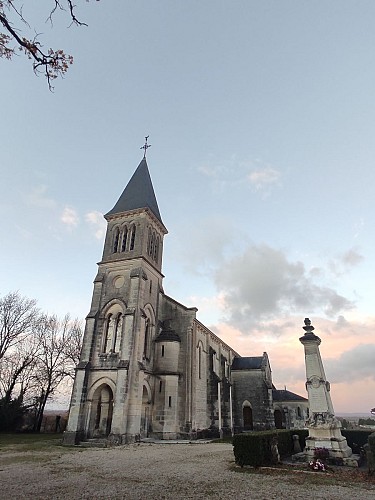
(356, 438)
(255, 448)
(252, 449)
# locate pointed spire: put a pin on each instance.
(139, 193)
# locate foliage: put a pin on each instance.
(11, 414)
(50, 62)
(366, 421)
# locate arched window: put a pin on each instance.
(132, 238)
(156, 248)
(116, 240)
(109, 329)
(200, 360)
(117, 336)
(152, 247)
(147, 343)
(112, 330)
(149, 242)
(124, 239)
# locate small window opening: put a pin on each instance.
(162, 351)
(170, 401)
(124, 239)
(132, 239)
(116, 240)
(150, 286)
(160, 386)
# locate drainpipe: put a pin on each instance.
(219, 404)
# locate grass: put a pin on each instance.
(29, 442)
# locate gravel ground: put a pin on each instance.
(160, 471)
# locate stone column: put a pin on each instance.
(324, 428)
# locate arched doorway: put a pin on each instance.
(247, 415)
(145, 415)
(278, 416)
(102, 409)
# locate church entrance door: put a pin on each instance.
(247, 418)
(278, 419)
(145, 415)
(102, 409)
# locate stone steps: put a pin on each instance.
(94, 443)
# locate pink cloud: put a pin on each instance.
(347, 347)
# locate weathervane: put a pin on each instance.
(146, 146)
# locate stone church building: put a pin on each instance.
(148, 367)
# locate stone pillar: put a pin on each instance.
(324, 428)
(219, 407)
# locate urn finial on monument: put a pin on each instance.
(309, 335)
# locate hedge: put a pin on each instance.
(254, 448)
(356, 438)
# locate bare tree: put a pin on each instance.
(52, 63)
(17, 371)
(53, 364)
(72, 350)
(19, 317)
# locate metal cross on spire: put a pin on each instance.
(146, 146)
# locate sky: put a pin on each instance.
(261, 117)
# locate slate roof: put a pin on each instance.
(168, 335)
(285, 395)
(139, 193)
(247, 363)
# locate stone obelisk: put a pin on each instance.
(324, 428)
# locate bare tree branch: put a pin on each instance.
(52, 63)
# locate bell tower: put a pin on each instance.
(113, 386)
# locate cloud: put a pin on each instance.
(97, 220)
(262, 284)
(69, 217)
(352, 257)
(345, 261)
(355, 364)
(263, 177)
(347, 350)
(37, 198)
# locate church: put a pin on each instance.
(148, 366)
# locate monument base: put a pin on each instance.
(325, 433)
